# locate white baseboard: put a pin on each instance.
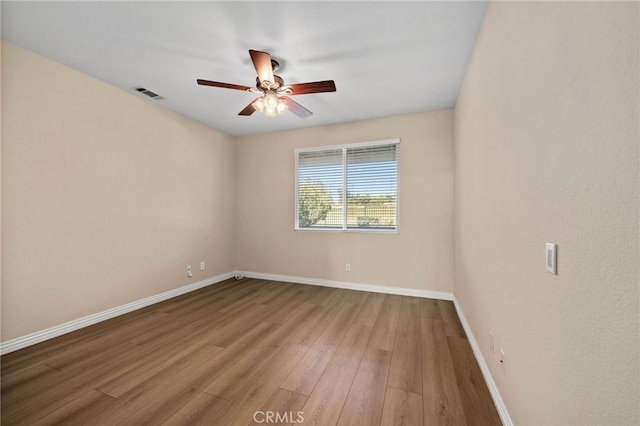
(50, 333)
(491, 384)
(351, 286)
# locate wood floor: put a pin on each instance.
(254, 351)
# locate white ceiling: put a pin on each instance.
(387, 58)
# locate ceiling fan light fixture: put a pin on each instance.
(282, 106)
(270, 104)
(270, 100)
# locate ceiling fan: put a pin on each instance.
(274, 100)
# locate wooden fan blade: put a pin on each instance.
(296, 108)
(223, 85)
(313, 87)
(249, 109)
(262, 63)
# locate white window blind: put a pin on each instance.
(320, 183)
(366, 173)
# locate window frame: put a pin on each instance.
(344, 148)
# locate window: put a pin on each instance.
(366, 172)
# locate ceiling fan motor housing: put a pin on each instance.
(277, 80)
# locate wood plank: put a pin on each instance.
(371, 304)
(316, 322)
(306, 374)
(441, 398)
(261, 386)
(383, 335)
(353, 296)
(331, 296)
(20, 379)
(202, 409)
(78, 408)
(25, 400)
(476, 399)
(256, 358)
(327, 399)
(236, 326)
(97, 369)
(277, 291)
(452, 325)
(366, 396)
(157, 361)
(175, 322)
(430, 309)
(50, 400)
(402, 408)
(287, 404)
(249, 294)
(289, 306)
(161, 395)
(90, 354)
(241, 289)
(406, 363)
(411, 299)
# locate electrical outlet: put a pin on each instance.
(202, 265)
(189, 273)
(491, 347)
(347, 267)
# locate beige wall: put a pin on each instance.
(1, 45)
(106, 197)
(546, 150)
(419, 257)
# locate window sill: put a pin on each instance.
(351, 230)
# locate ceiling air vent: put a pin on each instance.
(149, 93)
